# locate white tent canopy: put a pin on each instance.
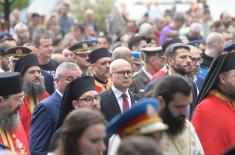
(42, 7)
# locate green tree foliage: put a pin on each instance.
(102, 9)
(20, 4)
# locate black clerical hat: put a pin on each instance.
(98, 53)
(25, 62)
(74, 91)
(219, 65)
(10, 83)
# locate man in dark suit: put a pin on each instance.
(153, 62)
(118, 98)
(45, 114)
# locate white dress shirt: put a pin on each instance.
(118, 95)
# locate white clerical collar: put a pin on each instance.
(61, 95)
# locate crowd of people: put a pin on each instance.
(157, 87)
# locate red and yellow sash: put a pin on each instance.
(221, 96)
(101, 87)
(32, 103)
(10, 140)
(6, 139)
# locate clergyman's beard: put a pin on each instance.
(176, 125)
(9, 120)
(33, 89)
(228, 90)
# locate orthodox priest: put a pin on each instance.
(12, 134)
(214, 115)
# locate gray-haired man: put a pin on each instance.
(45, 114)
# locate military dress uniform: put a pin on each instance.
(140, 80)
(142, 77)
(83, 48)
(15, 53)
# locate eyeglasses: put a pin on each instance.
(90, 99)
(123, 73)
(196, 60)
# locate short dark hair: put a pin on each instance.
(66, 4)
(39, 36)
(78, 27)
(105, 37)
(35, 15)
(179, 16)
(170, 85)
(171, 50)
(134, 41)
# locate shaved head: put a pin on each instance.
(121, 74)
(116, 64)
(121, 52)
(214, 44)
(213, 37)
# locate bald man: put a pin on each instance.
(122, 53)
(118, 98)
(214, 48)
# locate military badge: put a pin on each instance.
(84, 45)
(19, 52)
